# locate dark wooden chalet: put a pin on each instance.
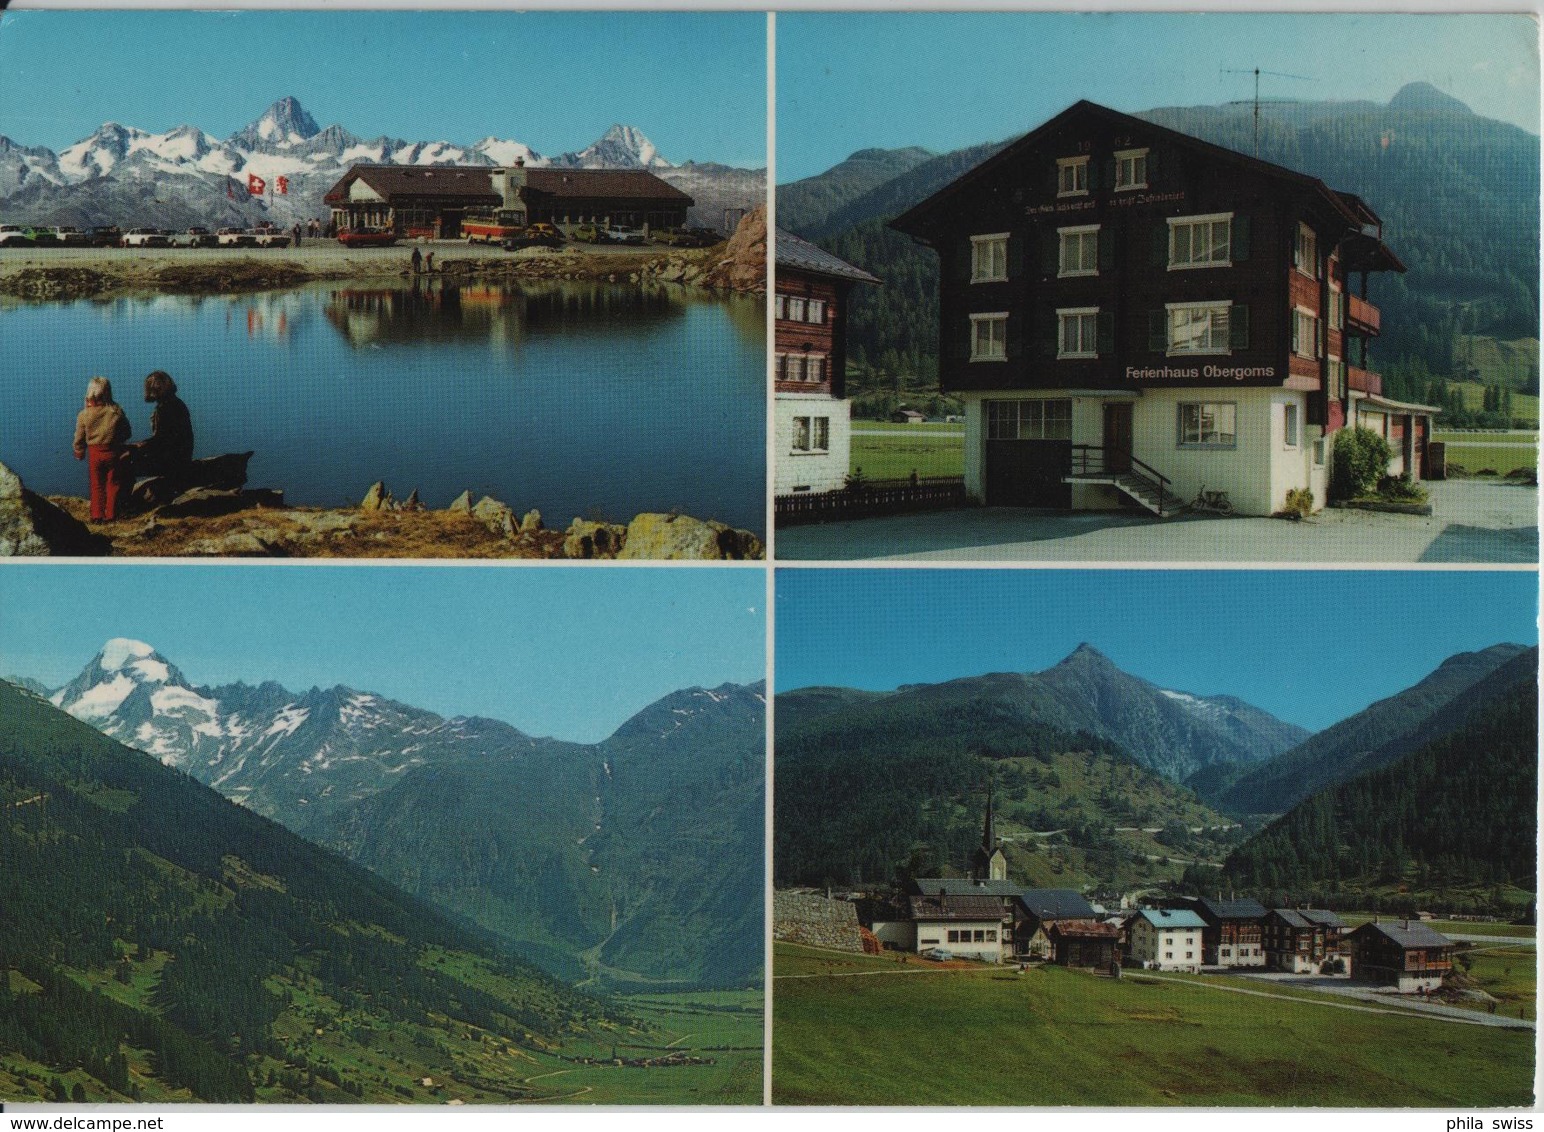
(1303, 940)
(1234, 932)
(1084, 943)
(1129, 312)
(435, 199)
(1406, 954)
(1039, 908)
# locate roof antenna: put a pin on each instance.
(1273, 101)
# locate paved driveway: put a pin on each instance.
(1472, 521)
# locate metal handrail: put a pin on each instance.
(1081, 465)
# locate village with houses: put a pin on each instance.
(984, 917)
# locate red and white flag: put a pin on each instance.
(283, 185)
(256, 186)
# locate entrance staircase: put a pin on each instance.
(1122, 471)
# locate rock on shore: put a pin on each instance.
(31, 526)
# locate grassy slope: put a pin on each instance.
(1053, 1037)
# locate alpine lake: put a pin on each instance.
(579, 399)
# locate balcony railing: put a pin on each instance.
(1364, 380)
(1363, 316)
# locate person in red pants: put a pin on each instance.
(100, 432)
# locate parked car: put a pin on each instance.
(616, 234)
(235, 238)
(542, 228)
(686, 237)
(146, 238)
(105, 236)
(45, 237)
(366, 238)
(199, 238)
(589, 233)
(941, 955)
(70, 236)
(531, 238)
(15, 236)
(270, 238)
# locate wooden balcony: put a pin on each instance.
(1362, 317)
(1364, 380)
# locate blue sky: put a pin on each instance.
(570, 652)
(1310, 647)
(849, 81)
(695, 83)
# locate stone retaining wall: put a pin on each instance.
(810, 918)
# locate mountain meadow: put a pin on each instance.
(401, 908)
(1458, 195)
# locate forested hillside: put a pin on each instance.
(1460, 813)
(1379, 734)
(159, 942)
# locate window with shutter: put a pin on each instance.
(1078, 250)
(989, 258)
(1071, 176)
(1200, 241)
(1077, 332)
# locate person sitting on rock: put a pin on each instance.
(100, 432)
(169, 451)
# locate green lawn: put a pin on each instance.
(875, 1032)
(1476, 450)
(930, 449)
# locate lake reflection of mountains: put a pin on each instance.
(430, 312)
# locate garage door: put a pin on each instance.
(1028, 451)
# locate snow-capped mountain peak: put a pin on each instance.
(621, 147)
(283, 125)
(506, 151)
(108, 685)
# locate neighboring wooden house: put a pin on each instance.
(1166, 939)
(1124, 307)
(813, 425)
(1084, 943)
(1303, 940)
(908, 416)
(1234, 935)
(436, 198)
(1039, 908)
(1409, 956)
(969, 926)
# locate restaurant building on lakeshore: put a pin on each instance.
(1131, 314)
(433, 200)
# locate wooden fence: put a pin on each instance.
(873, 499)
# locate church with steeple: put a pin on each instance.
(989, 861)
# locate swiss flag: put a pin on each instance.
(256, 186)
(283, 185)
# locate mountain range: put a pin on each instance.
(131, 177)
(1107, 770)
(633, 860)
(869, 783)
(1458, 194)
